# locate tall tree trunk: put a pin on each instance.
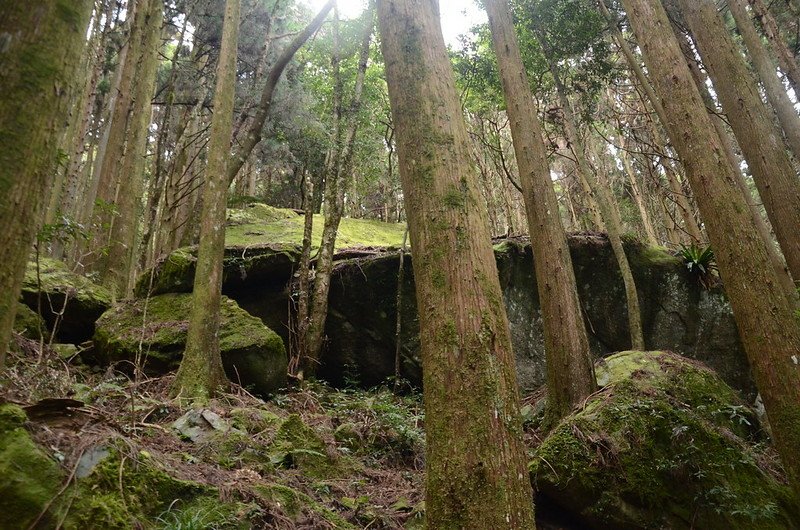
(338, 173)
(786, 59)
(113, 144)
(570, 373)
(476, 474)
(767, 326)
(759, 139)
(764, 65)
(304, 283)
(201, 371)
(720, 126)
(122, 257)
(41, 51)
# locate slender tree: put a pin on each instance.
(41, 49)
(201, 372)
(476, 475)
(120, 263)
(338, 172)
(764, 315)
(570, 374)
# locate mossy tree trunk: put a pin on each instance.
(201, 372)
(41, 50)
(759, 138)
(476, 474)
(768, 328)
(338, 173)
(765, 67)
(570, 374)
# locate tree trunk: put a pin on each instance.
(767, 326)
(776, 257)
(304, 283)
(570, 373)
(476, 474)
(786, 59)
(759, 139)
(39, 60)
(338, 173)
(201, 371)
(764, 65)
(121, 259)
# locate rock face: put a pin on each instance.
(677, 313)
(665, 444)
(252, 354)
(85, 301)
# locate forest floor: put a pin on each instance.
(308, 458)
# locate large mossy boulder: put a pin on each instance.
(29, 479)
(665, 444)
(252, 354)
(85, 301)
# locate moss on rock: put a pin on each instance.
(252, 354)
(128, 491)
(666, 444)
(85, 301)
(29, 479)
(298, 445)
(28, 323)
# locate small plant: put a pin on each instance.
(701, 263)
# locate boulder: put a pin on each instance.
(30, 479)
(664, 444)
(28, 323)
(81, 300)
(252, 354)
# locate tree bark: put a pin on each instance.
(759, 139)
(41, 50)
(476, 474)
(767, 326)
(767, 72)
(201, 371)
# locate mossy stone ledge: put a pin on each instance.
(85, 300)
(252, 354)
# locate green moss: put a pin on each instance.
(30, 479)
(298, 445)
(252, 354)
(647, 257)
(294, 503)
(56, 277)
(259, 224)
(127, 492)
(665, 444)
(27, 322)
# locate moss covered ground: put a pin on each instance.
(256, 223)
